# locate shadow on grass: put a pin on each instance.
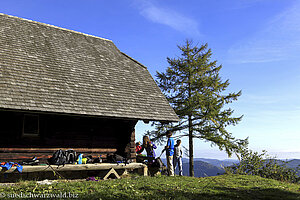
(257, 193)
(209, 193)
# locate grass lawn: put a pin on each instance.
(162, 187)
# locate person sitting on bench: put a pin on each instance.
(138, 147)
(149, 147)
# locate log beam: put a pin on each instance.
(47, 150)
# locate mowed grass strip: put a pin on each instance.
(162, 187)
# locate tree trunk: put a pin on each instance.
(191, 147)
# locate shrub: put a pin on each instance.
(253, 163)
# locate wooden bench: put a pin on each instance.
(103, 170)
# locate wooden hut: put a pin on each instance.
(62, 89)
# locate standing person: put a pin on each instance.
(149, 146)
(170, 152)
(178, 157)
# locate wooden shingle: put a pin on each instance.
(50, 69)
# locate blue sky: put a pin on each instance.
(256, 41)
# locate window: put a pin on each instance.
(31, 125)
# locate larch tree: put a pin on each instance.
(194, 88)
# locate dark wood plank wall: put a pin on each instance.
(87, 135)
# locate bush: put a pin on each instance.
(253, 163)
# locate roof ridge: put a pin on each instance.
(132, 59)
(65, 29)
(57, 27)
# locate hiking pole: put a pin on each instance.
(162, 152)
(54, 171)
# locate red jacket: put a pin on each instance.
(137, 149)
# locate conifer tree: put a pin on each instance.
(195, 90)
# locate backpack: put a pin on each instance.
(71, 156)
(158, 163)
(98, 160)
(115, 158)
(58, 158)
(89, 159)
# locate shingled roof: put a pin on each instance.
(51, 69)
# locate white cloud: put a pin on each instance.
(279, 40)
(168, 17)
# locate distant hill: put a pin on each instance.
(293, 163)
(202, 169)
(212, 167)
(218, 163)
(215, 162)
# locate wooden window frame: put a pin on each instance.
(37, 134)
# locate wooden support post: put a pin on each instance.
(111, 171)
(143, 171)
(132, 146)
